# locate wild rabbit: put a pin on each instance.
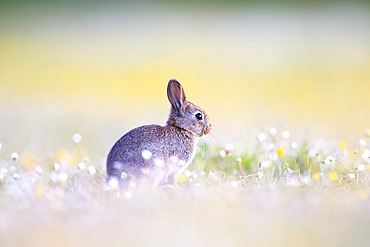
(160, 153)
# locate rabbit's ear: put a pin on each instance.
(176, 95)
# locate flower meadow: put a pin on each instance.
(285, 84)
(280, 193)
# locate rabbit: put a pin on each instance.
(157, 152)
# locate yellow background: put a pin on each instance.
(102, 69)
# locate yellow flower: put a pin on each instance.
(182, 163)
(333, 176)
(39, 192)
(280, 152)
(342, 144)
(181, 178)
(316, 176)
(29, 160)
(63, 155)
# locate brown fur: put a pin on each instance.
(172, 145)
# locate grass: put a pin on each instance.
(279, 194)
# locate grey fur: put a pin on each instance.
(171, 147)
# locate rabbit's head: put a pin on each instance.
(184, 114)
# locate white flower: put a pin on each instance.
(223, 153)
(285, 134)
(273, 131)
(159, 163)
(261, 137)
(14, 156)
(182, 163)
(81, 165)
(146, 154)
(56, 166)
(174, 159)
(86, 160)
(329, 160)
(361, 168)
(366, 155)
(54, 177)
(92, 170)
(38, 169)
(293, 145)
(229, 148)
(77, 138)
(362, 142)
(63, 177)
(352, 176)
(113, 182)
(124, 175)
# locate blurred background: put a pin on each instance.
(101, 69)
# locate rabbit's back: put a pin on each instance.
(148, 149)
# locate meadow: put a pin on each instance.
(285, 85)
(282, 194)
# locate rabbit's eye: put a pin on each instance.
(199, 116)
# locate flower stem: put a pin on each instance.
(280, 175)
